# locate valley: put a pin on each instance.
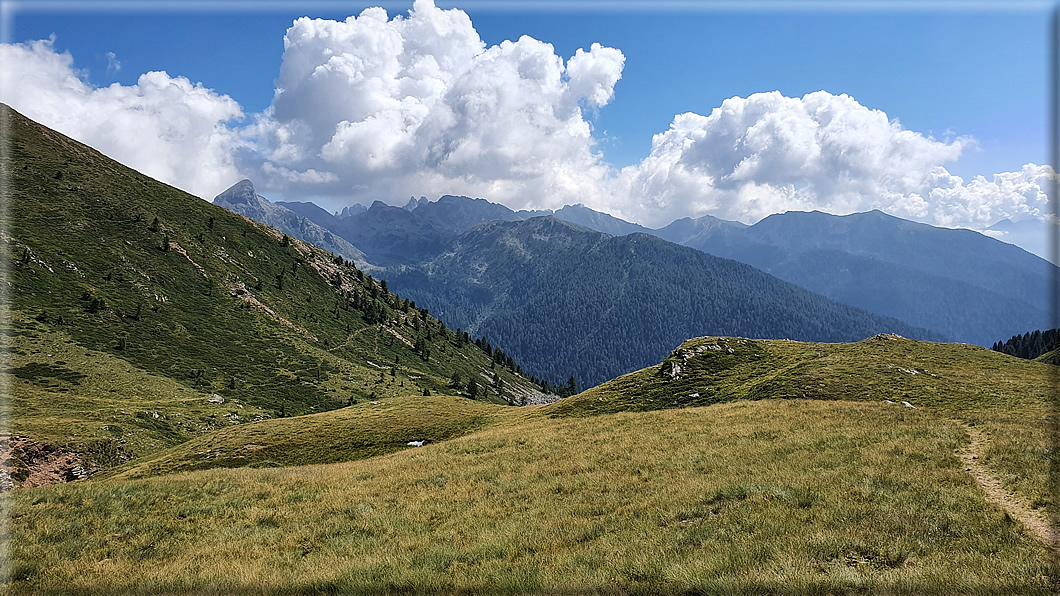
(256, 414)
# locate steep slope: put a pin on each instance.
(240, 198)
(958, 283)
(565, 300)
(142, 316)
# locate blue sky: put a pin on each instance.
(980, 72)
(964, 73)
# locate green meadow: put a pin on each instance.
(606, 492)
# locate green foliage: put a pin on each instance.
(1030, 345)
(203, 312)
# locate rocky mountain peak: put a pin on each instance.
(240, 193)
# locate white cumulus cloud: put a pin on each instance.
(385, 108)
(375, 107)
(768, 153)
(165, 127)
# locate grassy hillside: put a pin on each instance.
(774, 496)
(1005, 397)
(357, 432)
(135, 303)
(1009, 398)
(1050, 357)
(794, 476)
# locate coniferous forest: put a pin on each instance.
(1030, 345)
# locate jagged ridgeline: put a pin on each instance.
(148, 280)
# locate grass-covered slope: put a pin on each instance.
(129, 296)
(706, 370)
(616, 490)
(1050, 357)
(771, 496)
(1004, 396)
(1008, 398)
(357, 432)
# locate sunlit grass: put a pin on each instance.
(1006, 397)
(753, 496)
(356, 432)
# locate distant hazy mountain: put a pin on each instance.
(565, 300)
(351, 210)
(311, 212)
(686, 230)
(241, 198)
(959, 283)
(399, 235)
(414, 202)
(601, 222)
(1031, 234)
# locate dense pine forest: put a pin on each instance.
(1030, 345)
(571, 303)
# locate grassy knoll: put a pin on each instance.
(356, 432)
(768, 496)
(1006, 397)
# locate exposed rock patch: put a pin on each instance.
(25, 463)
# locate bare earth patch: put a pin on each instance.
(1033, 519)
(29, 464)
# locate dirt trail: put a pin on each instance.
(1034, 520)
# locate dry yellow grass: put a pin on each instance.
(783, 496)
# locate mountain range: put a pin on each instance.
(959, 283)
(955, 284)
(569, 301)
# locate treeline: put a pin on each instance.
(500, 358)
(1030, 345)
